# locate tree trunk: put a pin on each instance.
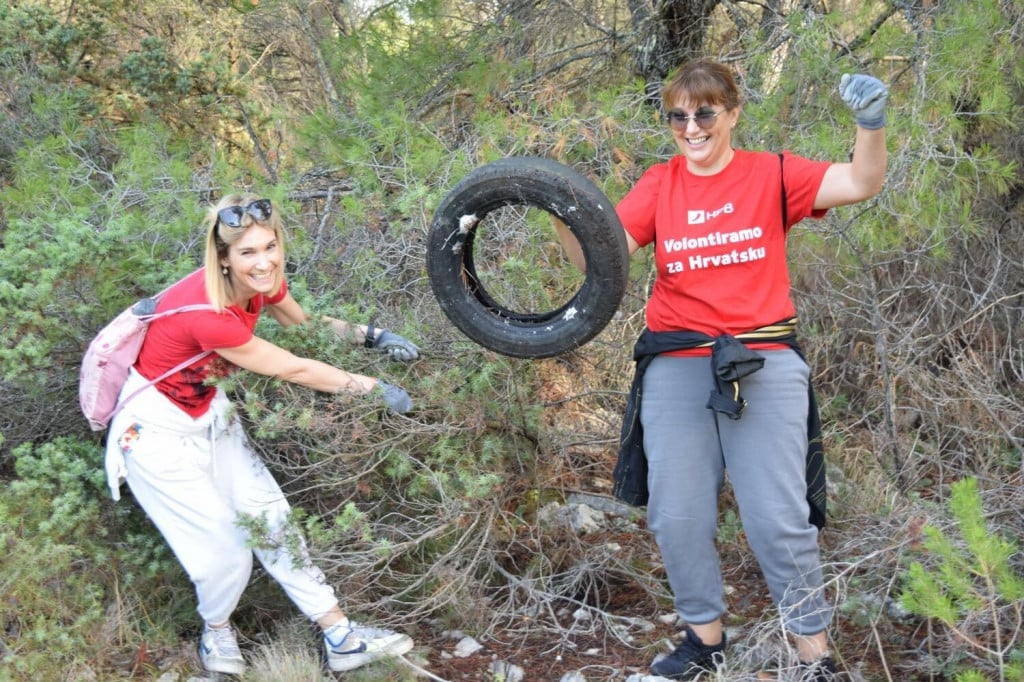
(669, 32)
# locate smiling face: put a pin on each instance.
(703, 87)
(245, 249)
(254, 263)
(707, 147)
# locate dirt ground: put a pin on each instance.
(879, 652)
(872, 652)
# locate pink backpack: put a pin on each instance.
(111, 355)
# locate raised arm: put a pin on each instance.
(862, 177)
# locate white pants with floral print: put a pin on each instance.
(195, 478)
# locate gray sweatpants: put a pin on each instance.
(689, 448)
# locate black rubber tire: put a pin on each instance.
(561, 192)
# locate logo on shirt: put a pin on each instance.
(700, 216)
(707, 251)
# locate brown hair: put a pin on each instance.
(220, 236)
(703, 80)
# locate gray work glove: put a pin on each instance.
(397, 400)
(865, 95)
(399, 348)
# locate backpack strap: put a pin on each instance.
(782, 186)
(140, 389)
(150, 317)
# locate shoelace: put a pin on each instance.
(368, 631)
(224, 641)
(350, 639)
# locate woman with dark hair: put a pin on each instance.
(718, 218)
(185, 456)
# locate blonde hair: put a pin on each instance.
(219, 237)
(703, 80)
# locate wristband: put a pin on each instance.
(369, 339)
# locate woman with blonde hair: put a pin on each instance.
(183, 452)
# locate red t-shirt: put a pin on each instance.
(719, 241)
(176, 338)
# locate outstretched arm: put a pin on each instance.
(288, 312)
(862, 177)
(262, 357)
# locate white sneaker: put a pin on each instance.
(219, 652)
(355, 645)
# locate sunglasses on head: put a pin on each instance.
(232, 215)
(703, 117)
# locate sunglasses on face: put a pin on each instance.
(704, 118)
(232, 215)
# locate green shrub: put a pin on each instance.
(969, 584)
(74, 563)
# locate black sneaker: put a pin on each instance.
(691, 658)
(822, 670)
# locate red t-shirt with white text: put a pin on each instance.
(719, 241)
(176, 338)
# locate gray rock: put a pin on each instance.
(584, 519)
(506, 672)
(608, 505)
(581, 614)
(467, 646)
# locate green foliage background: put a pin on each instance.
(123, 122)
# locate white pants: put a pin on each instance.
(195, 478)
